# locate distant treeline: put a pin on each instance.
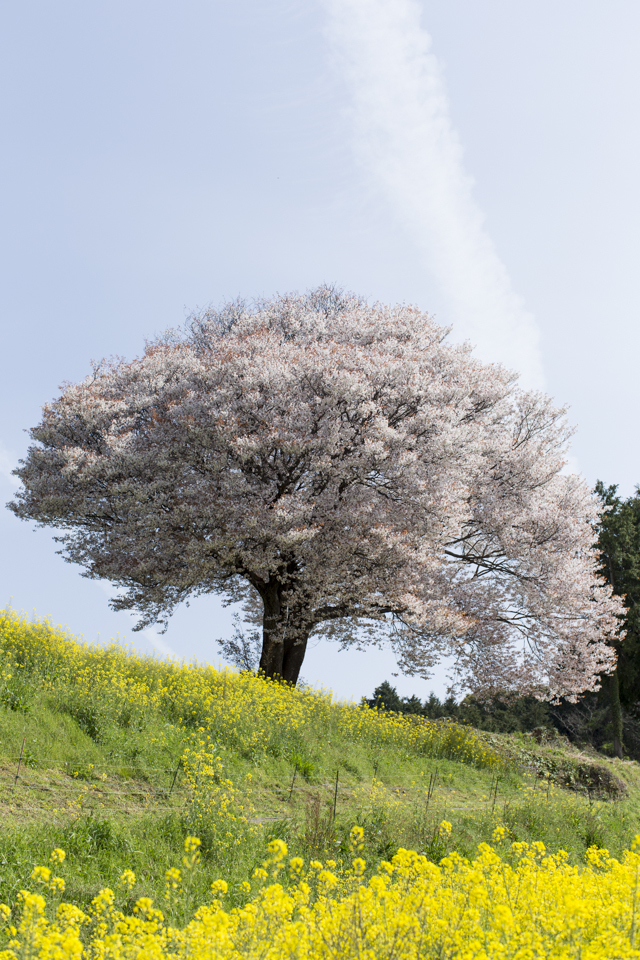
(586, 723)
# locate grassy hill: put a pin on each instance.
(118, 760)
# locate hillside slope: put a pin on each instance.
(117, 759)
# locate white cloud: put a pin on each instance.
(8, 462)
(404, 137)
(572, 465)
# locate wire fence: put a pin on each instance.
(88, 782)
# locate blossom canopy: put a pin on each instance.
(345, 464)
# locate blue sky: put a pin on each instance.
(476, 157)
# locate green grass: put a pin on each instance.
(105, 775)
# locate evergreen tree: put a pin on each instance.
(619, 545)
(386, 697)
(412, 705)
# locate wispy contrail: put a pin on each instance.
(158, 644)
(404, 136)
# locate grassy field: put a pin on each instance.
(120, 760)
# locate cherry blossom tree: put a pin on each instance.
(348, 467)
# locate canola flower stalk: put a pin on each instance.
(528, 906)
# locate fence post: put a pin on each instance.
(495, 795)
(17, 776)
(295, 770)
(173, 782)
(432, 782)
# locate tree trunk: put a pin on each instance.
(271, 659)
(284, 644)
(616, 713)
(614, 688)
(294, 651)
